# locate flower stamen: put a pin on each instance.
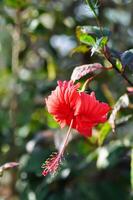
(51, 165)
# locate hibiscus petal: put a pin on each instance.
(65, 103)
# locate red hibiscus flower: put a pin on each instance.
(76, 109)
(91, 113)
(66, 103)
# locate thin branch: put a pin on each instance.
(106, 54)
(90, 4)
(112, 61)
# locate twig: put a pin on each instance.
(111, 60)
(105, 52)
(90, 4)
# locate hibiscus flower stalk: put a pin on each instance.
(86, 82)
(51, 165)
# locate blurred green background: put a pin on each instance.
(37, 48)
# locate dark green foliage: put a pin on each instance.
(127, 59)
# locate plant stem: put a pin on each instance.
(62, 149)
(108, 57)
(106, 54)
(95, 15)
(123, 75)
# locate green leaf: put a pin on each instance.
(99, 45)
(80, 49)
(92, 36)
(87, 39)
(119, 64)
(104, 133)
(93, 6)
(93, 30)
(102, 41)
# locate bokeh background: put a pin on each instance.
(37, 48)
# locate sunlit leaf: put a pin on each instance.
(87, 39)
(99, 45)
(102, 41)
(80, 49)
(119, 64)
